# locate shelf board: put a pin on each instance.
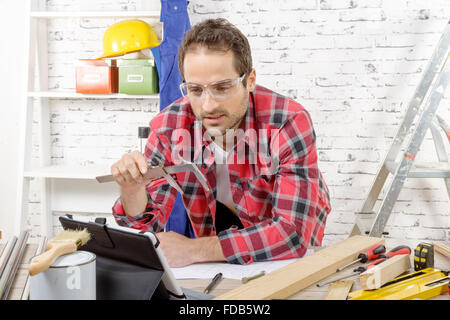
(74, 95)
(69, 172)
(96, 14)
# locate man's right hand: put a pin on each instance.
(129, 171)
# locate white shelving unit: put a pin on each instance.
(94, 14)
(67, 172)
(62, 187)
(74, 95)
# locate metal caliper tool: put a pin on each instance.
(158, 171)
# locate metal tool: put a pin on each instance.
(356, 271)
(13, 265)
(399, 250)
(422, 106)
(382, 257)
(371, 254)
(160, 170)
(423, 256)
(6, 254)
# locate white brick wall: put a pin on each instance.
(354, 64)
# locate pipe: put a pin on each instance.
(6, 254)
(13, 265)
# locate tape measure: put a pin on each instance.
(423, 256)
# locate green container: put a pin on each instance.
(138, 76)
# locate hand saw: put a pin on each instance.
(158, 171)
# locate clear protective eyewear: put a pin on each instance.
(219, 90)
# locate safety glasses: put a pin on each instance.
(218, 90)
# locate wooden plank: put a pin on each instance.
(339, 290)
(442, 249)
(375, 277)
(298, 275)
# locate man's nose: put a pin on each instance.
(208, 103)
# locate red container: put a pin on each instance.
(96, 76)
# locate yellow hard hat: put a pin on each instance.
(128, 36)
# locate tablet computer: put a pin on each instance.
(130, 264)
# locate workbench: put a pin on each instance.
(310, 293)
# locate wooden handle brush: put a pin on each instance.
(65, 242)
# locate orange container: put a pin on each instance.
(96, 76)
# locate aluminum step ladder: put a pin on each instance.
(423, 106)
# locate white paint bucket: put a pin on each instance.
(70, 277)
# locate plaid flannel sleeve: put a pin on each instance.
(297, 205)
(160, 195)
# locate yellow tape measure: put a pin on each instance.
(423, 256)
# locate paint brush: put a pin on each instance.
(65, 242)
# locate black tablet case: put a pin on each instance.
(127, 265)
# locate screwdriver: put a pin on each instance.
(357, 271)
(362, 269)
(371, 254)
(396, 251)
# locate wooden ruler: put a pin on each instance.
(298, 275)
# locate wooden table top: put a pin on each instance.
(310, 293)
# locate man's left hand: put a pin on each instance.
(181, 251)
(176, 248)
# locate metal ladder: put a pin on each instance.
(431, 90)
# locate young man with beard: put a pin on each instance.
(266, 199)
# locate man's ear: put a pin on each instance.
(251, 81)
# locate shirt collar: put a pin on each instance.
(202, 139)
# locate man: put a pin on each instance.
(266, 198)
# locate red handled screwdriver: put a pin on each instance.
(362, 269)
(357, 272)
(394, 252)
(371, 254)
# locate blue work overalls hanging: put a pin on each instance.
(175, 19)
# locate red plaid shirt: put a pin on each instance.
(282, 207)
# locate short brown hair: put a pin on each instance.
(218, 35)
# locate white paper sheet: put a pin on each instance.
(228, 270)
